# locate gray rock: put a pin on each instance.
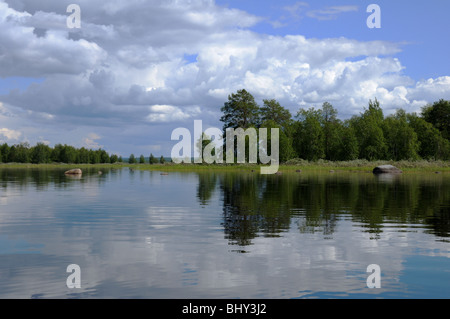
(74, 172)
(386, 169)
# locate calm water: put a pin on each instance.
(138, 234)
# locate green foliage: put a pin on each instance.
(141, 159)
(104, 156)
(4, 151)
(20, 153)
(153, 159)
(369, 131)
(286, 150)
(94, 157)
(319, 134)
(240, 110)
(344, 144)
(273, 111)
(162, 160)
(438, 114)
(431, 143)
(402, 142)
(132, 159)
(331, 126)
(40, 154)
(310, 135)
(113, 159)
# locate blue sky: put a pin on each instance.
(137, 70)
(421, 26)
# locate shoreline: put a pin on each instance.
(357, 166)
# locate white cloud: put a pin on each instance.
(296, 8)
(330, 13)
(10, 134)
(90, 142)
(169, 113)
(23, 53)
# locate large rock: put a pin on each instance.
(74, 172)
(386, 169)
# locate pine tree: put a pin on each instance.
(241, 111)
(153, 159)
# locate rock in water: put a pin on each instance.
(74, 172)
(386, 169)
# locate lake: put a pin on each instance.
(140, 234)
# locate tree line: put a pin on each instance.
(44, 154)
(314, 134)
(142, 160)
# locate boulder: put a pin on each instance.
(74, 172)
(386, 169)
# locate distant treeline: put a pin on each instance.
(314, 134)
(43, 154)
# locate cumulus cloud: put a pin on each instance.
(126, 66)
(90, 142)
(10, 134)
(23, 53)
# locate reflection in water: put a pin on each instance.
(256, 205)
(138, 234)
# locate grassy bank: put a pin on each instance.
(291, 166)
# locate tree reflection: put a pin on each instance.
(257, 205)
(41, 179)
(206, 185)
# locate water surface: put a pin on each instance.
(140, 234)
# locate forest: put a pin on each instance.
(311, 134)
(314, 134)
(44, 154)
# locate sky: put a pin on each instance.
(136, 70)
